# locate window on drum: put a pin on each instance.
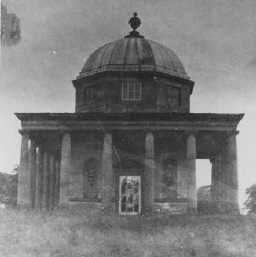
(89, 94)
(131, 90)
(173, 97)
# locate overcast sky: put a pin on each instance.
(215, 40)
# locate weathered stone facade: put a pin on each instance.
(132, 144)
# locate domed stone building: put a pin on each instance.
(132, 143)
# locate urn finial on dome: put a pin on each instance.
(134, 22)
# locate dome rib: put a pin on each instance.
(118, 53)
(148, 59)
(138, 54)
(105, 58)
(113, 51)
(134, 54)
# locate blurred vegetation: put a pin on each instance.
(89, 232)
(250, 203)
(8, 189)
(204, 200)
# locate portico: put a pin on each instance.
(55, 148)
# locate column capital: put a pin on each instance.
(214, 158)
(228, 134)
(24, 132)
(149, 132)
(191, 132)
(107, 133)
(65, 131)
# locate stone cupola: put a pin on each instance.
(133, 74)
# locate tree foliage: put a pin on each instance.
(8, 188)
(250, 203)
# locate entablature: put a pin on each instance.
(131, 121)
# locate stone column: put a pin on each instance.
(229, 169)
(38, 183)
(149, 171)
(32, 170)
(51, 182)
(57, 182)
(65, 168)
(191, 162)
(24, 177)
(107, 172)
(45, 172)
(217, 185)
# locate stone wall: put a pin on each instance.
(85, 177)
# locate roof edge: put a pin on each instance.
(222, 117)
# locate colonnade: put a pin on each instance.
(39, 175)
(44, 176)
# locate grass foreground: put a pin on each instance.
(88, 233)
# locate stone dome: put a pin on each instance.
(133, 53)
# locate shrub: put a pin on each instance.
(250, 203)
(8, 189)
